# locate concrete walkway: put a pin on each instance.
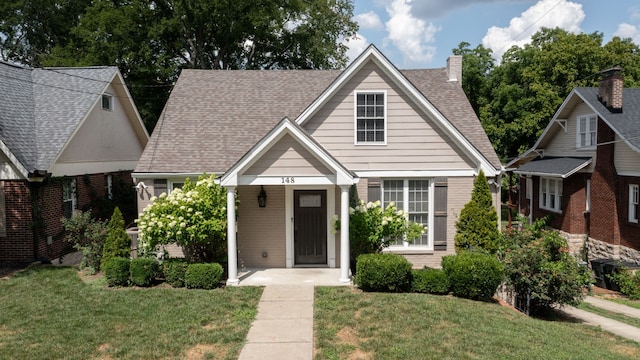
(612, 326)
(283, 328)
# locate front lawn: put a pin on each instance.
(49, 312)
(353, 325)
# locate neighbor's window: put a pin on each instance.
(370, 118)
(587, 131)
(69, 200)
(412, 197)
(551, 194)
(634, 197)
(107, 102)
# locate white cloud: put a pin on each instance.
(431, 9)
(628, 31)
(355, 45)
(369, 20)
(409, 34)
(545, 13)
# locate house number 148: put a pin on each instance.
(288, 180)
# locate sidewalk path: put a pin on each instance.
(610, 325)
(283, 328)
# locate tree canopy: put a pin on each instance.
(516, 98)
(152, 40)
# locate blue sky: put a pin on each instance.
(421, 33)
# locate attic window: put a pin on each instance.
(587, 131)
(371, 118)
(107, 102)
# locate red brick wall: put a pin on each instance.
(604, 199)
(18, 245)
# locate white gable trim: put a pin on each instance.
(234, 176)
(372, 53)
(137, 123)
(14, 161)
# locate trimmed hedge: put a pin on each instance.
(174, 271)
(430, 281)
(143, 271)
(383, 272)
(116, 271)
(203, 276)
(473, 275)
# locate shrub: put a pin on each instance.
(430, 281)
(116, 271)
(473, 275)
(118, 243)
(628, 282)
(477, 226)
(539, 265)
(203, 276)
(88, 236)
(383, 272)
(195, 217)
(143, 271)
(174, 271)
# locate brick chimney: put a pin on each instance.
(610, 89)
(454, 68)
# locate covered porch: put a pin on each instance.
(295, 276)
(289, 189)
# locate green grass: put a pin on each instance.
(610, 314)
(630, 303)
(49, 312)
(350, 324)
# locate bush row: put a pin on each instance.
(468, 275)
(121, 271)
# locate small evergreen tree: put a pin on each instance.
(118, 243)
(477, 226)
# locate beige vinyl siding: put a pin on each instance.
(561, 143)
(626, 160)
(413, 140)
(261, 229)
(285, 158)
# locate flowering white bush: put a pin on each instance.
(194, 217)
(372, 228)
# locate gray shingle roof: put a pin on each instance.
(627, 123)
(212, 117)
(40, 109)
(554, 166)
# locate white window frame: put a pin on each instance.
(175, 184)
(634, 200)
(405, 209)
(108, 98)
(587, 131)
(550, 192)
(70, 194)
(355, 117)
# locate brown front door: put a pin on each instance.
(310, 226)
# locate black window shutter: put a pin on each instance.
(440, 214)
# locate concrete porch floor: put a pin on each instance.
(294, 276)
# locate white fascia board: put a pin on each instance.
(416, 173)
(147, 175)
(129, 103)
(373, 53)
(287, 180)
(14, 161)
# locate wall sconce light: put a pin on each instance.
(262, 197)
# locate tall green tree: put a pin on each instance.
(118, 243)
(477, 65)
(477, 226)
(152, 40)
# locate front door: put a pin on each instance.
(310, 226)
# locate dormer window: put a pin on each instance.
(107, 102)
(371, 117)
(586, 131)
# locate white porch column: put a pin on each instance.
(344, 234)
(232, 251)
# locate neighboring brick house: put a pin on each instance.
(584, 170)
(69, 137)
(305, 137)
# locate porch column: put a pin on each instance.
(344, 234)
(232, 252)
